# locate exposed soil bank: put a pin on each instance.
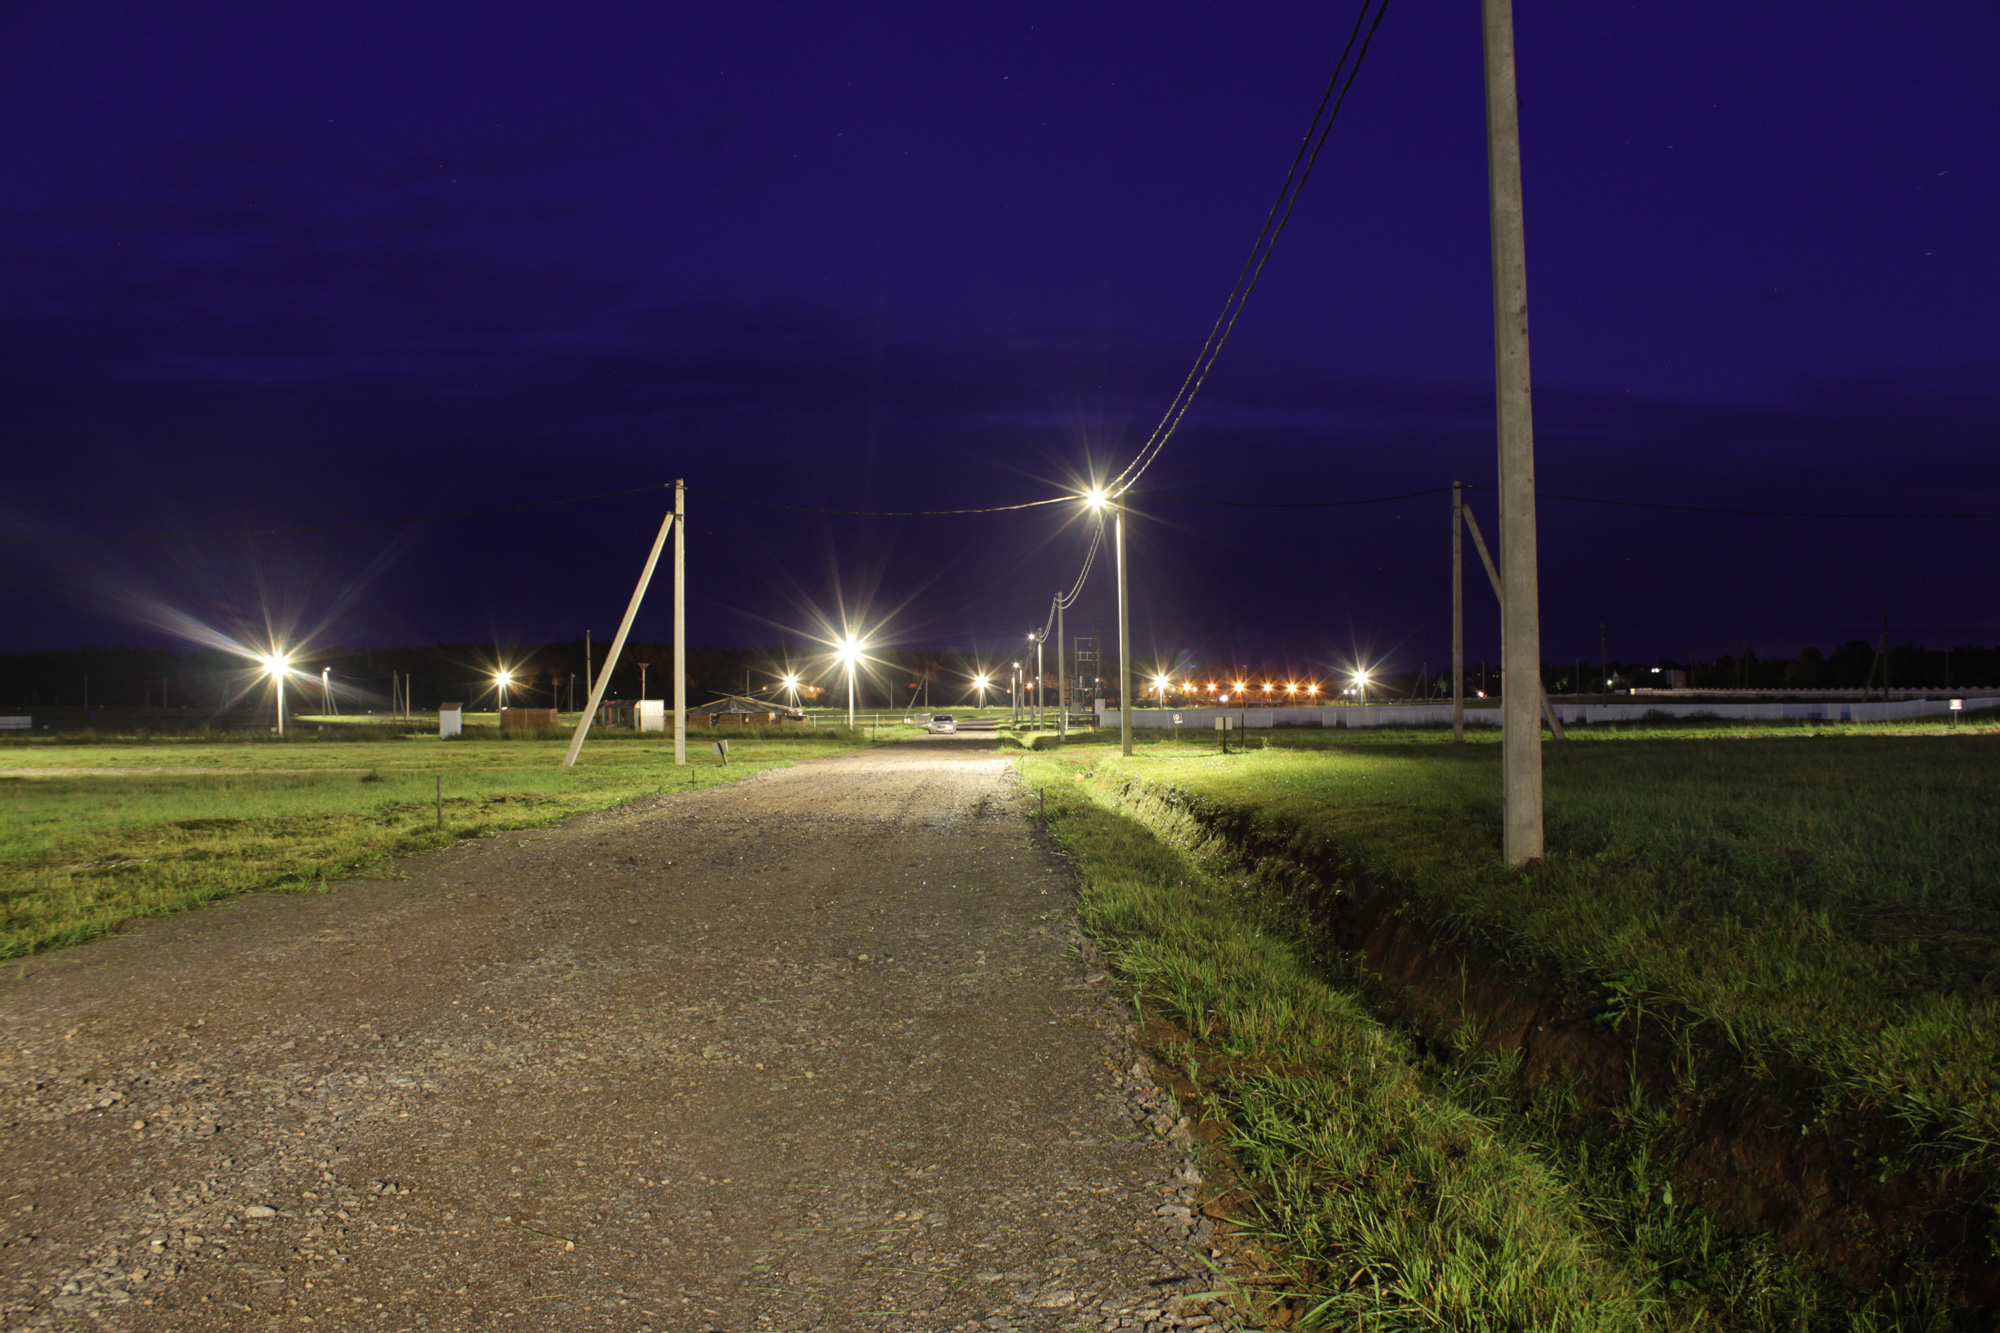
(1761, 1142)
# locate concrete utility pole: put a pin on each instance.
(1124, 640)
(1457, 615)
(1062, 677)
(1520, 630)
(680, 623)
(1603, 662)
(589, 676)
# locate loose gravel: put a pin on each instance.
(817, 1050)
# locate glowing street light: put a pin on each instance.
(980, 683)
(851, 649)
(501, 680)
(1361, 685)
(1160, 683)
(792, 689)
(277, 666)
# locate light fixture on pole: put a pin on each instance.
(850, 652)
(276, 665)
(1361, 686)
(792, 689)
(1160, 683)
(501, 680)
(326, 690)
(979, 683)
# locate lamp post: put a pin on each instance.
(326, 689)
(1037, 637)
(1160, 684)
(850, 653)
(980, 683)
(1014, 693)
(792, 689)
(1100, 500)
(502, 679)
(276, 665)
(1361, 687)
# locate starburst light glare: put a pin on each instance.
(1097, 497)
(277, 666)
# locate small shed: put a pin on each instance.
(652, 715)
(616, 713)
(451, 720)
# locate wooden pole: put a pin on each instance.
(611, 658)
(680, 623)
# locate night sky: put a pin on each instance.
(282, 266)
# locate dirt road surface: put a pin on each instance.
(817, 1050)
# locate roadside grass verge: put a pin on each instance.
(82, 848)
(1835, 901)
(1392, 1186)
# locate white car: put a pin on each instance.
(943, 725)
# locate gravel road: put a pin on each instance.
(818, 1050)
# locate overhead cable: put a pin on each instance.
(1324, 115)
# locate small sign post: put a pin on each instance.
(1957, 707)
(1223, 726)
(1177, 728)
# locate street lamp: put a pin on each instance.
(792, 689)
(980, 683)
(1160, 683)
(503, 679)
(1100, 499)
(276, 665)
(850, 652)
(1361, 685)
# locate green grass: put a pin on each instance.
(1395, 1188)
(182, 822)
(1832, 900)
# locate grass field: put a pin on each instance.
(97, 830)
(1833, 901)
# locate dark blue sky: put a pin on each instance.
(269, 267)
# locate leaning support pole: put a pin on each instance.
(1457, 616)
(617, 645)
(1520, 612)
(1548, 713)
(680, 624)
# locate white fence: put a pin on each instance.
(1429, 715)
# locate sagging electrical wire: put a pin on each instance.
(1064, 601)
(1280, 213)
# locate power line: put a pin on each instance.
(1741, 513)
(338, 527)
(882, 513)
(1546, 495)
(1267, 241)
(515, 509)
